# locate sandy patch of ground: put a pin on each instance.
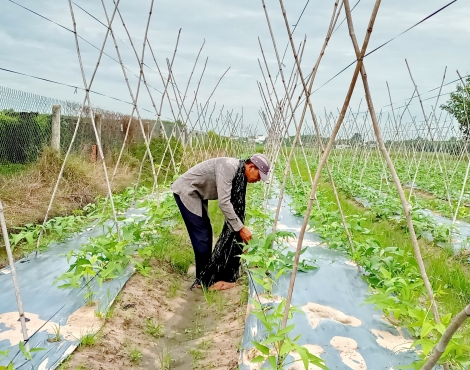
(191, 334)
(347, 348)
(81, 322)
(317, 312)
(395, 343)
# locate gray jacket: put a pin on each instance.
(209, 180)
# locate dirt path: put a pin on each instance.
(158, 323)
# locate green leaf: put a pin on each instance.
(273, 362)
(272, 339)
(441, 328)
(303, 355)
(280, 272)
(286, 348)
(24, 351)
(258, 359)
(36, 349)
(263, 349)
(426, 344)
(286, 330)
(426, 329)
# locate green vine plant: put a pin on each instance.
(277, 344)
(266, 259)
(105, 257)
(394, 278)
(266, 262)
(4, 355)
(61, 227)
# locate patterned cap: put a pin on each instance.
(262, 164)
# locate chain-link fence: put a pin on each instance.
(26, 126)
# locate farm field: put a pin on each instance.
(223, 185)
(377, 230)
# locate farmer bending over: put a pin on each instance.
(224, 179)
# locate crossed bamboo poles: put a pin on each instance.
(277, 118)
(234, 127)
(274, 130)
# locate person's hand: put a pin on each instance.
(246, 235)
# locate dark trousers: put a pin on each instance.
(200, 233)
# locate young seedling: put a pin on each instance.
(105, 314)
(89, 296)
(56, 337)
(174, 287)
(165, 359)
(155, 330)
(4, 354)
(196, 355)
(135, 355)
(88, 339)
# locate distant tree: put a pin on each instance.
(356, 139)
(459, 106)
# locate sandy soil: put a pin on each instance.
(79, 323)
(317, 312)
(195, 333)
(347, 348)
(395, 343)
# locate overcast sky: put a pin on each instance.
(231, 29)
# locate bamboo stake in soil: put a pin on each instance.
(98, 140)
(325, 158)
(62, 168)
(446, 337)
(19, 303)
(396, 180)
(309, 103)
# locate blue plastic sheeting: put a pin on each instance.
(337, 285)
(44, 301)
(460, 230)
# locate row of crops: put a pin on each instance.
(437, 191)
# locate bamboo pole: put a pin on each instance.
(19, 303)
(298, 127)
(307, 92)
(87, 97)
(325, 157)
(440, 348)
(405, 205)
(67, 154)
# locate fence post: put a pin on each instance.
(98, 124)
(55, 140)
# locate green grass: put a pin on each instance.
(135, 355)
(88, 339)
(10, 169)
(174, 247)
(158, 147)
(445, 273)
(155, 330)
